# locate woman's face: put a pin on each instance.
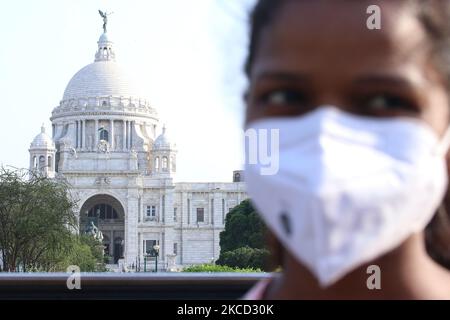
(322, 53)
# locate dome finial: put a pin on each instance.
(105, 50)
(42, 128)
(164, 129)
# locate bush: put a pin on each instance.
(218, 268)
(83, 251)
(245, 257)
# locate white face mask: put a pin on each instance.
(349, 188)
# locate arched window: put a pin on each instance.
(41, 163)
(165, 162)
(104, 135)
(50, 163)
(157, 163)
(103, 211)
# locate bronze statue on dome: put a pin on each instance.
(104, 15)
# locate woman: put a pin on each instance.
(362, 116)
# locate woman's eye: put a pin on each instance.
(284, 98)
(387, 102)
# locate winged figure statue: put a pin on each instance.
(104, 15)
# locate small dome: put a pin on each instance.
(103, 38)
(42, 141)
(163, 141)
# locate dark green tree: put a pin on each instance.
(243, 228)
(242, 243)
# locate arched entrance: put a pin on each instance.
(108, 215)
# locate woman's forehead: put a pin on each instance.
(317, 33)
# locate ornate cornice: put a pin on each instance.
(107, 105)
(103, 113)
(121, 173)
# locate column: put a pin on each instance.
(112, 135)
(124, 136)
(142, 209)
(217, 223)
(188, 211)
(212, 211)
(79, 134)
(76, 135)
(139, 209)
(129, 135)
(32, 162)
(83, 134)
(163, 208)
(131, 227)
(162, 250)
(96, 134)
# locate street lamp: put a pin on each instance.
(156, 250)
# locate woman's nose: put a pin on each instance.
(333, 100)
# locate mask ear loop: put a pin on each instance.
(444, 145)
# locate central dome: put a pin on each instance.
(99, 79)
(103, 78)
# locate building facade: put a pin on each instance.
(105, 144)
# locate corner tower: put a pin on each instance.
(42, 155)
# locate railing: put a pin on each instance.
(136, 286)
(151, 219)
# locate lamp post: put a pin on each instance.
(156, 250)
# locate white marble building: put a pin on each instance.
(105, 142)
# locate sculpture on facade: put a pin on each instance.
(102, 180)
(65, 143)
(133, 153)
(95, 232)
(73, 152)
(103, 146)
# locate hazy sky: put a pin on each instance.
(187, 55)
